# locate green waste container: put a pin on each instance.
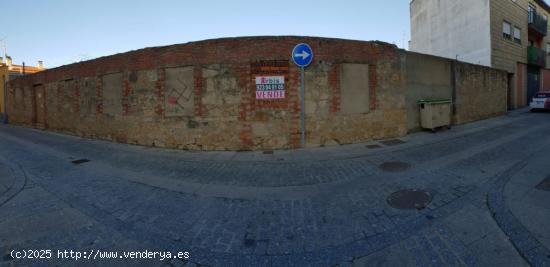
(435, 113)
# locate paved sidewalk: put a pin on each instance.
(527, 200)
(310, 207)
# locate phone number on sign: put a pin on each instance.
(97, 254)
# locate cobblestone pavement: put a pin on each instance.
(311, 207)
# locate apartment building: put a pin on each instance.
(511, 35)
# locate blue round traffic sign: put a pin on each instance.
(302, 55)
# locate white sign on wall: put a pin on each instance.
(270, 87)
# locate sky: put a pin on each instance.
(61, 32)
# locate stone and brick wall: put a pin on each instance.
(202, 95)
(478, 92)
(426, 77)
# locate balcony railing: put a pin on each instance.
(536, 56)
(538, 23)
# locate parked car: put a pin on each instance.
(540, 101)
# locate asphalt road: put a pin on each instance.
(312, 207)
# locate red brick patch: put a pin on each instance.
(199, 85)
(99, 95)
(334, 81)
(159, 91)
(373, 82)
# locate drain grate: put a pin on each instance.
(545, 184)
(410, 199)
(394, 166)
(80, 161)
(392, 142)
(249, 242)
(373, 146)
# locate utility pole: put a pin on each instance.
(3, 44)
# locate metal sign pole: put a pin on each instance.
(302, 109)
(302, 55)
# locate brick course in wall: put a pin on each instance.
(372, 86)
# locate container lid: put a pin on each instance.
(435, 101)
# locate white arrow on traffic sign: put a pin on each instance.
(304, 55)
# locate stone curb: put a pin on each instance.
(524, 242)
(318, 154)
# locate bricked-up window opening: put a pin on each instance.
(19, 95)
(506, 30)
(355, 89)
(112, 86)
(271, 68)
(517, 35)
(67, 97)
(179, 95)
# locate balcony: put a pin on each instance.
(536, 56)
(537, 24)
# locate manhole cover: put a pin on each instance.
(545, 184)
(374, 146)
(392, 142)
(410, 199)
(80, 161)
(394, 166)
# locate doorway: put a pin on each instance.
(39, 107)
(509, 94)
